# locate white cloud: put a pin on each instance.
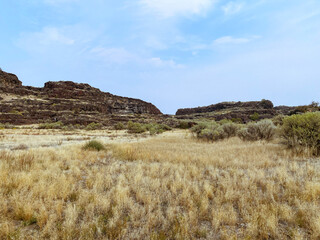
(114, 55)
(45, 39)
(53, 35)
(232, 8)
(232, 40)
(158, 62)
(171, 8)
(121, 56)
(48, 36)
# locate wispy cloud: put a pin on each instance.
(158, 62)
(47, 37)
(121, 56)
(232, 7)
(233, 40)
(114, 55)
(170, 8)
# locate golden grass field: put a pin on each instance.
(170, 186)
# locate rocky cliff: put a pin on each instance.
(64, 101)
(244, 111)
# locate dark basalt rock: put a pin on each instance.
(9, 80)
(264, 104)
(64, 101)
(236, 111)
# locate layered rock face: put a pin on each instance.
(64, 101)
(9, 80)
(235, 110)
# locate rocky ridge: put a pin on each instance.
(79, 103)
(69, 102)
(239, 111)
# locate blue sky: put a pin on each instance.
(173, 53)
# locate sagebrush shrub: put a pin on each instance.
(196, 129)
(93, 126)
(53, 125)
(212, 131)
(6, 126)
(302, 131)
(157, 128)
(206, 134)
(136, 127)
(94, 145)
(262, 130)
(278, 120)
(119, 126)
(153, 128)
(185, 125)
(230, 129)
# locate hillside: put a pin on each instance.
(69, 102)
(243, 111)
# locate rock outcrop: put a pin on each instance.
(65, 101)
(9, 80)
(239, 111)
(264, 104)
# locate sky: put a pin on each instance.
(173, 53)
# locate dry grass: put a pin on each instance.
(167, 187)
(37, 138)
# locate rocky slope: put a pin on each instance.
(65, 101)
(244, 111)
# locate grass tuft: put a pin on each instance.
(94, 145)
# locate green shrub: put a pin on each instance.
(210, 131)
(237, 120)
(206, 134)
(262, 130)
(54, 125)
(255, 116)
(78, 126)
(94, 145)
(302, 132)
(69, 127)
(6, 126)
(119, 126)
(230, 129)
(185, 125)
(153, 128)
(278, 120)
(163, 127)
(224, 121)
(93, 126)
(196, 129)
(157, 128)
(136, 127)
